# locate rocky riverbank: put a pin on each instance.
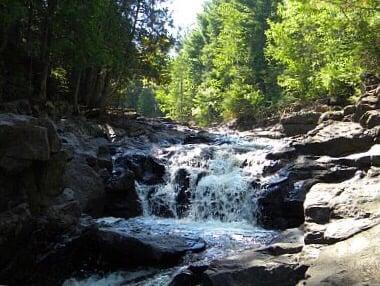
(321, 190)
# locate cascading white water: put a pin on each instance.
(220, 179)
(221, 205)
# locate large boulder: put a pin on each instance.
(32, 142)
(299, 123)
(147, 169)
(122, 199)
(335, 139)
(87, 185)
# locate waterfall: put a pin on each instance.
(218, 181)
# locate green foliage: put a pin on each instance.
(221, 71)
(324, 46)
(84, 51)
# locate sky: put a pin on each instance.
(185, 12)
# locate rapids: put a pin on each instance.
(221, 205)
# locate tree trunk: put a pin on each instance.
(90, 85)
(45, 51)
(76, 93)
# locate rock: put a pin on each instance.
(32, 142)
(280, 203)
(354, 261)
(285, 153)
(147, 169)
(16, 107)
(277, 249)
(87, 186)
(54, 140)
(336, 139)
(201, 137)
(182, 185)
(129, 250)
(299, 123)
(160, 204)
(370, 119)
(335, 212)
(360, 160)
(255, 268)
(122, 199)
(243, 123)
(331, 115)
(349, 110)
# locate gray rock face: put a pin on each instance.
(354, 261)
(299, 123)
(335, 212)
(335, 139)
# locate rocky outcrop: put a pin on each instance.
(335, 139)
(147, 169)
(354, 261)
(335, 212)
(299, 123)
(280, 202)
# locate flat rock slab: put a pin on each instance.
(355, 261)
(335, 139)
(123, 249)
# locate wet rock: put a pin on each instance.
(350, 262)
(335, 139)
(121, 198)
(201, 137)
(159, 204)
(182, 185)
(121, 250)
(285, 153)
(147, 169)
(281, 202)
(255, 268)
(87, 185)
(299, 123)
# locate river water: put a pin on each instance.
(222, 204)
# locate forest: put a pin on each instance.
(243, 59)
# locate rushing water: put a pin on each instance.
(222, 204)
